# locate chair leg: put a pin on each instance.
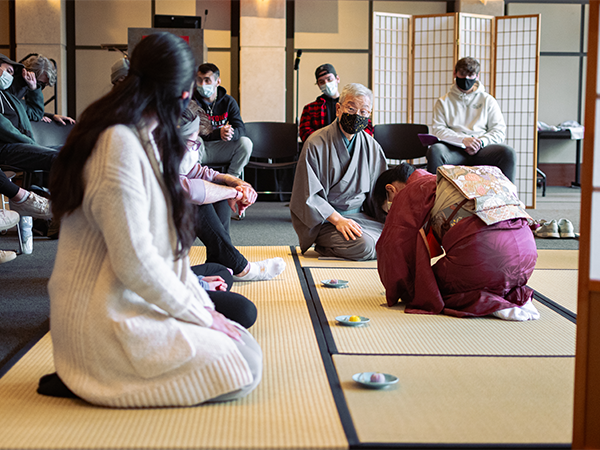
(20, 252)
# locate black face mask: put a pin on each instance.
(465, 83)
(353, 123)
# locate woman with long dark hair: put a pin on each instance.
(131, 326)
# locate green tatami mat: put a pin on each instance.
(293, 407)
(461, 400)
(560, 286)
(391, 331)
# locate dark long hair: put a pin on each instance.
(162, 68)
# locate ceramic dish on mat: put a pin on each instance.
(345, 320)
(335, 283)
(381, 379)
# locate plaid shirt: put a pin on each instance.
(314, 117)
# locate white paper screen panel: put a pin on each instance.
(475, 40)
(517, 50)
(391, 68)
(434, 47)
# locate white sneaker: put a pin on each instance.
(6, 256)
(565, 228)
(8, 219)
(34, 206)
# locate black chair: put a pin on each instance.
(275, 148)
(401, 140)
(50, 134)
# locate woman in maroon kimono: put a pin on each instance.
(475, 215)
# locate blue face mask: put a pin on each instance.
(6, 80)
(206, 90)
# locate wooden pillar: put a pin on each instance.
(586, 417)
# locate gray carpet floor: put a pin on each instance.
(24, 304)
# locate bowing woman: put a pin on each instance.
(472, 218)
(131, 326)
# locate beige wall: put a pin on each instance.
(40, 29)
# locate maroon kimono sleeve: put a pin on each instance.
(403, 260)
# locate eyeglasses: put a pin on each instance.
(193, 145)
(363, 111)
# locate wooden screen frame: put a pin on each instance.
(586, 433)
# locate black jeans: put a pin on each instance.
(499, 155)
(234, 306)
(7, 187)
(212, 228)
(27, 156)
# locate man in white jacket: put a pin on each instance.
(469, 122)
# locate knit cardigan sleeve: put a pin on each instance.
(124, 201)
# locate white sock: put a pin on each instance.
(519, 314)
(263, 270)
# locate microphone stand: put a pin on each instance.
(296, 68)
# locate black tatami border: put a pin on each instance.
(559, 309)
(332, 377)
(328, 348)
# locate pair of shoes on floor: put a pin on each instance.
(34, 206)
(8, 219)
(562, 228)
(6, 256)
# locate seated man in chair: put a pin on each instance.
(227, 143)
(471, 118)
(336, 172)
(17, 146)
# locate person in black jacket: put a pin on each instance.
(227, 144)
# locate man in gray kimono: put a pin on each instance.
(336, 171)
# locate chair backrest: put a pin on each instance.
(50, 134)
(273, 139)
(401, 140)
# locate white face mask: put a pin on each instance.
(330, 88)
(6, 80)
(206, 90)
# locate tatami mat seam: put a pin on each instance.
(561, 310)
(331, 372)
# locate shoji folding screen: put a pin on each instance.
(391, 65)
(413, 61)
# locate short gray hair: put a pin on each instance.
(39, 65)
(355, 90)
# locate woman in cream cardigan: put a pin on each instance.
(131, 326)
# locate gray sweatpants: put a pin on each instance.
(234, 154)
